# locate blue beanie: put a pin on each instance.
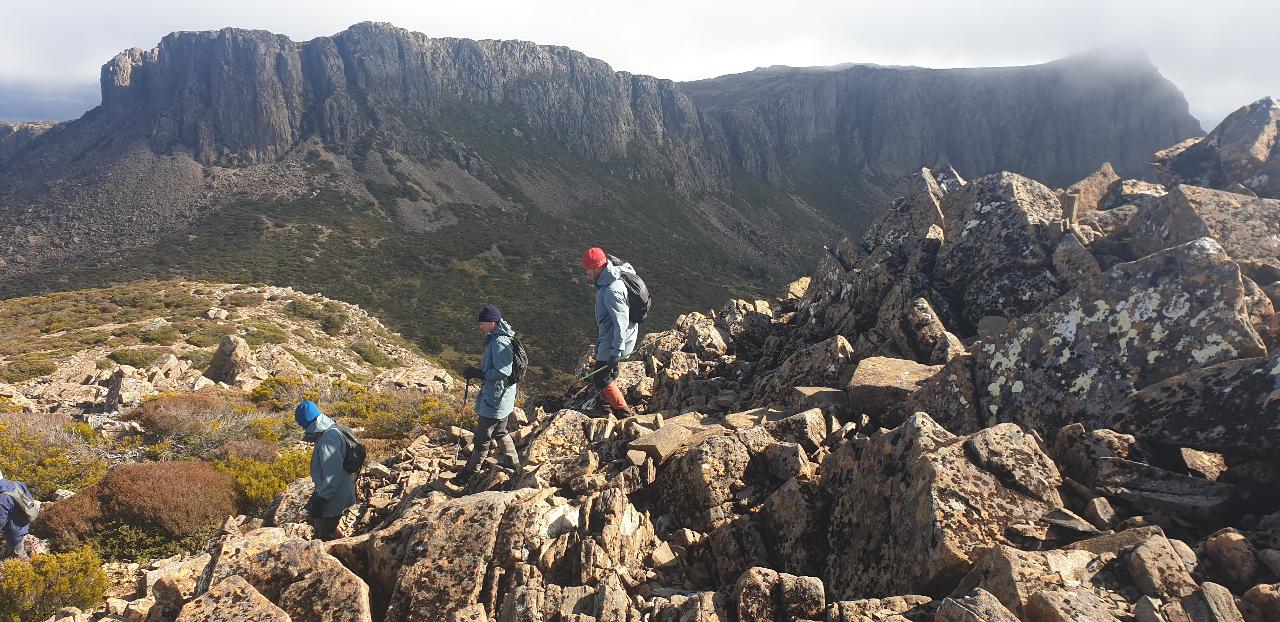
(490, 313)
(306, 412)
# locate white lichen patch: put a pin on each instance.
(1178, 306)
(1158, 332)
(1085, 382)
(1016, 387)
(1214, 346)
(994, 387)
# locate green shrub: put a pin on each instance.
(144, 510)
(194, 425)
(37, 589)
(209, 334)
(398, 414)
(39, 456)
(331, 316)
(180, 414)
(438, 412)
(259, 481)
(270, 429)
(264, 333)
(372, 355)
(28, 367)
(199, 359)
(135, 357)
(277, 392)
(243, 299)
(164, 335)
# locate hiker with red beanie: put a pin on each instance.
(617, 333)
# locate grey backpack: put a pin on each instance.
(26, 503)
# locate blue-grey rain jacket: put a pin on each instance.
(613, 317)
(497, 398)
(333, 483)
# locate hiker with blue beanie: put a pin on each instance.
(497, 396)
(335, 487)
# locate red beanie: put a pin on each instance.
(594, 258)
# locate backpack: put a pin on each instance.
(354, 452)
(638, 298)
(23, 500)
(519, 362)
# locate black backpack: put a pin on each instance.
(638, 299)
(519, 362)
(354, 455)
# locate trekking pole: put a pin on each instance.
(466, 393)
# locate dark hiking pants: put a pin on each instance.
(492, 429)
(326, 527)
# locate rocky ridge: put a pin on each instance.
(987, 409)
(104, 351)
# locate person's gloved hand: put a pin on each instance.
(473, 373)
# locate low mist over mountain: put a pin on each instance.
(421, 177)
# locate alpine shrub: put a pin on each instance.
(37, 589)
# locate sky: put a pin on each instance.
(1221, 54)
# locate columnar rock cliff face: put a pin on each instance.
(236, 96)
(1056, 122)
(249, 150)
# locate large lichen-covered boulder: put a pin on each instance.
(910, 224)
(432, 561)
(1241, 150)
(699, 484)
(949, 396)
(1248, 228)
(1143, 322)
(911, 505)
(1229, 407)
(1000, 231)
(298, 576)
(880, 384)
(232, 600)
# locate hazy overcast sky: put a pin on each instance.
(1222, 54)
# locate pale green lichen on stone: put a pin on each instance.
(1214, 345)
(1083, 383)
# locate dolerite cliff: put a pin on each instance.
(990, 408)
(862, 126)
(207, 117)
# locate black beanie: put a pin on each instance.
(490, 313)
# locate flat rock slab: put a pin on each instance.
(232, 600)
(664, 442)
